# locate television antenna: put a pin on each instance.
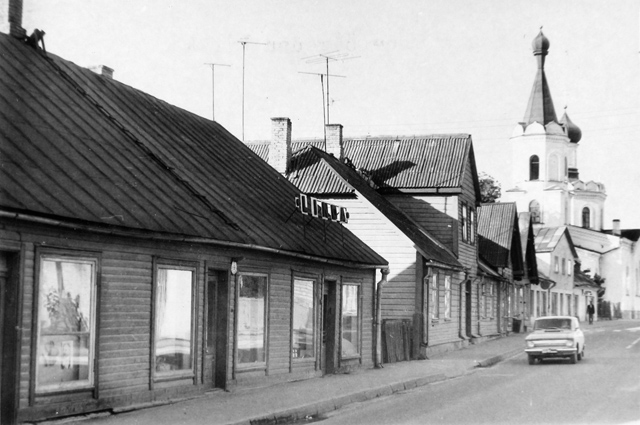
(244, 47)
(213, 85)
(324, 113)
(326, 58)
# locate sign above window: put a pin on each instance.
(309, 205)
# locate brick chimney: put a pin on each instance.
(103, 70)
(615, 229)
(280, 148)
(11, 18)
(335, 146)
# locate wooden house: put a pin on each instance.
(146, 254)
(432, 184)
(504, 292)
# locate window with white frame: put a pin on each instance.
(472, 226)
(447, 297)
(569, 267)
(304, 319)
(434, 300)
(464, 224)
(66, 323)
(564, 265)
(251, 310)
(173, 330)
(350, 321)
(556, 264)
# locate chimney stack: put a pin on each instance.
(11, 18)
(615, 230)
(335, 146)
(280, 148)
(103, 70)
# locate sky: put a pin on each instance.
(406, 67)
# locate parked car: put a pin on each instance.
(555, 336)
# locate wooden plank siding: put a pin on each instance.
(124, 374)
(372, 227)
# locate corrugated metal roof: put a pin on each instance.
(428, 245)
(497, 226)
(547, 238)
(406, 162)
(79, 146)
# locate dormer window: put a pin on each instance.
(534, 167)
(586, 218)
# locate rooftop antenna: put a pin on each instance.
(326, 58)
(213, 86)
(324, 114)
(244, 46)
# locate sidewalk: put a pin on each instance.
(311, 397)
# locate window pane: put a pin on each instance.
(303, 319)
(251, 307)
(435, 297)
(173, 320)
(350, 321)
(65, 324)
(447, 297)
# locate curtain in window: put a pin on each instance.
(350, 321)
(66, 310)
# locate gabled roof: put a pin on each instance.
(499, 235)
(82, 148)
(432, 163)
(592, 240)
(547, 239)
(327, 165)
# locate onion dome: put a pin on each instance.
(540, 44)
(573, 131)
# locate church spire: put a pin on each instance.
(540, 107)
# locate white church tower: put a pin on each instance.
(544, 162)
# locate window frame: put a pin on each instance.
(586, 218)
(255, 365)
(172, 264)
(563, 267)
(358, 320)
(556, 264)
(314, 289)
(534, 168)
(91, 383)
(535, 212)
(464, 223)
(434, 297)
(472, 225)
(447, 297)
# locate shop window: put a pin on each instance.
(65, 323)
(350, 321)
(447, 297)
(173, 331)
(251, 311)
(304, 319)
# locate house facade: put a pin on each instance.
(439, 297)
(147, 255)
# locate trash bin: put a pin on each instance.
(516, 325)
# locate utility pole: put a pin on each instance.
(213, 90)
(244, 46)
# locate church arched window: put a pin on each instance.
(534, 210)
(586, 217)
(534, 167)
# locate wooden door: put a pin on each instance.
(217, 354)
(9, 337)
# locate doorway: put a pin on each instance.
(217, 335)
(328, 350)
(9, 337)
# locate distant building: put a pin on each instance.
(545, 182)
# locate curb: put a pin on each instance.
(497, 359)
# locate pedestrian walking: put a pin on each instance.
(591, 311)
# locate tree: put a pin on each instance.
(489, 188)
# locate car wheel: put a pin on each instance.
(579, 353)
(532, 360)
(574, 358)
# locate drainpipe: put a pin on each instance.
(378, 323)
